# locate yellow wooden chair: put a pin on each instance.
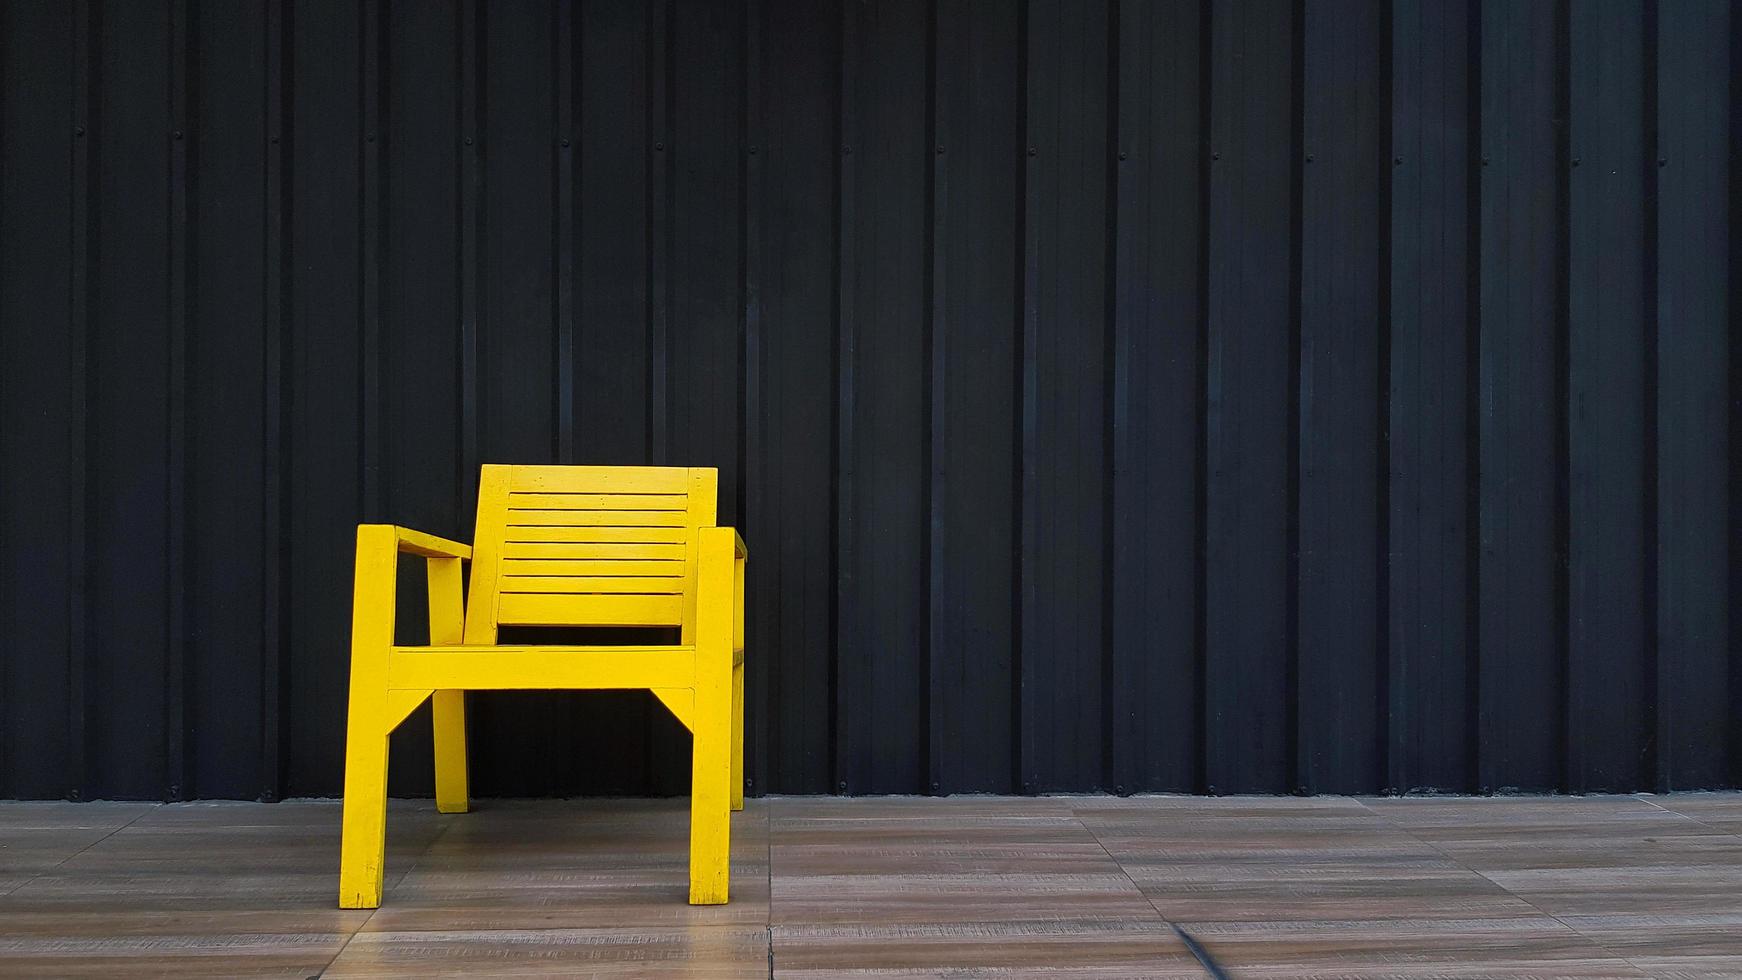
(555, 546)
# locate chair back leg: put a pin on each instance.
(737, 736)
(448, 715)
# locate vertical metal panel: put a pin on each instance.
(977, 158)
(1342, 347)
(226, 401)
(1230, 396)
(1522, 503)
(1696, 351)
(324, 488)
(1609, 356)
(1064, 635)
(129, 404)
(43, 163)
(1157, 369)
(274, 401)
(1431, 400)
(1248, 496)
(882, 657)
(792, 574)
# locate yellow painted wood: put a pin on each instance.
(541, 667)
(527, 609)
(555, 546)
(678, 502)
(602, 479)
(551, 517)
(680, 701)
(363, 844)
(428, 545)
(738, 732)
(524, 533)
(619, 551)
(400, 705)
(447, 624)
(711, 764)
(663, 567)
(592, 585)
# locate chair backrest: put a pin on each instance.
(587, 546)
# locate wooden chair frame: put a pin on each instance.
(554, 546)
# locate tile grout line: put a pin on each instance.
(1191, 943)
(26, 883)
(1400, 828)
(1717, 831)
(384, 891)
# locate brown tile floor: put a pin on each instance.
(1062, 886)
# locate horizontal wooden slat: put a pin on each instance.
(591, 584)
(599, 549)
(521, 516)
(648, 535)
(518, 609)
(601, 501)
(600, 479)
(533, 668)
(670, 568)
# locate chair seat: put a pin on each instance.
(477, 668)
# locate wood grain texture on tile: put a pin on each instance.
(979, 886)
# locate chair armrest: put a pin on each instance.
(413, 542)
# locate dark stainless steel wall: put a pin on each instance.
(1227, 396)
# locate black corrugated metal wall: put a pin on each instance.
(1225, 396)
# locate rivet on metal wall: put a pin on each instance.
(1397, 161)
(1121, 154)
(371, 138)
(1485, 160)
(659, 146)
(1215, 156)
(752, 149)
(1663, 161)
(1576, 161)
(565, 143)
(468, 140)
(940, 149)
(78, 130)
(847, 150)
(177, 134)
(1032, 151)
(1309, 158)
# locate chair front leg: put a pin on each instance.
(710, 794)
(363, 850)
(711, 767)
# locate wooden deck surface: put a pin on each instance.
(1058, 886)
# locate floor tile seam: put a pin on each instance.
(352, 936)
(1587, 937)
(1205, 961)
(62, 862)
(1719, 831)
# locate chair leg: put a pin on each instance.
(448, 711)
(737, 788)
(710, 797)
(363, 851)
